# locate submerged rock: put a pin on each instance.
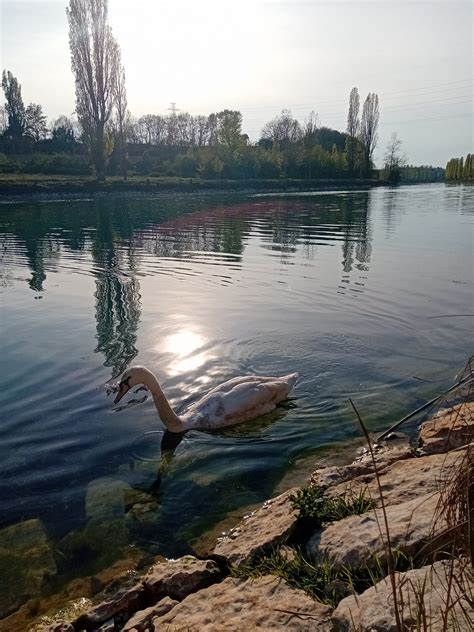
(423, 600)
(448, 430)
(26, 561)
(269, 526)
(264, 603)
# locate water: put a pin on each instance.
(363, 293)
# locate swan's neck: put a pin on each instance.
(166, 413)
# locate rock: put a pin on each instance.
(141, 620)
(26, 561)
(352, 541)
(448, 430)
(374, 609)
(404, 480)
(384, 457)
(265, 603)
(127, 600)
(105, 498)
(56, 627)
(178, 578)
(269, 526)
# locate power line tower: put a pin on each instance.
(173, 109)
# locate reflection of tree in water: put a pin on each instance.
(356, 234)
(117, 297)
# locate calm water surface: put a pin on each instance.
(361, 292)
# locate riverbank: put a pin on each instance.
(384, 546)
(32, 185)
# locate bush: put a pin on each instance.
(56, 164)
(7, 165)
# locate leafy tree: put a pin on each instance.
(229, 129)
(95, 62)
(62, 134)
(368, 129)
(35, 122)
(14, 105)
(353, 125)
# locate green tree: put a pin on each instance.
(14, 105)
(35, 122)
(229, 129)
(95, 62)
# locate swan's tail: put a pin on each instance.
(291, 379)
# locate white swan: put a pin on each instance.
(237, 400)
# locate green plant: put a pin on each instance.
(314, 504)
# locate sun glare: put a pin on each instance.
(184, 346)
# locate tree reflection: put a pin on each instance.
(117, 297)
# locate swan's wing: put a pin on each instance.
(252, 380)
(238, 402)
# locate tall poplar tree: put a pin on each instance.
(95, 62)
(353, 125)
(14, 106)
(368, 129)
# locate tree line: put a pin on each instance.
(208, 146)
(460, 168)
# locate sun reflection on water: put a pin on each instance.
(185, 347)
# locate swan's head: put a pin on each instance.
(132, 377)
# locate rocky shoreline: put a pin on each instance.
(433, 586)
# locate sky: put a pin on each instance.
(262, 56)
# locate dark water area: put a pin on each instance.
(362, 293)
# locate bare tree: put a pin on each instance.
(368, 129)
(394, 159)
(310, 129)
(122, 118)
(95, 60)
(353, 125)
(283, 129)
(3, 119)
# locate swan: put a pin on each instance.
(233, 402)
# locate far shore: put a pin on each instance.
(38, 185)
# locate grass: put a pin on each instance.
(316, 506)
(322, 581)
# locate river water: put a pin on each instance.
(367, 294)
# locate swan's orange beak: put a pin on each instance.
(123, 390)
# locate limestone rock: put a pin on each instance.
(126, 600)
(374, 609)
(404, 480)
(26, 560)
(384, 456)
(352, 541)
(56, 627)
(264, 603)
(268, 526)
(141, 620)
(178, 578)
(449, 429)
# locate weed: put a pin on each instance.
(313, 504)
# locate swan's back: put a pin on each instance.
(238, 400)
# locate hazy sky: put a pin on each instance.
(260, 57)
